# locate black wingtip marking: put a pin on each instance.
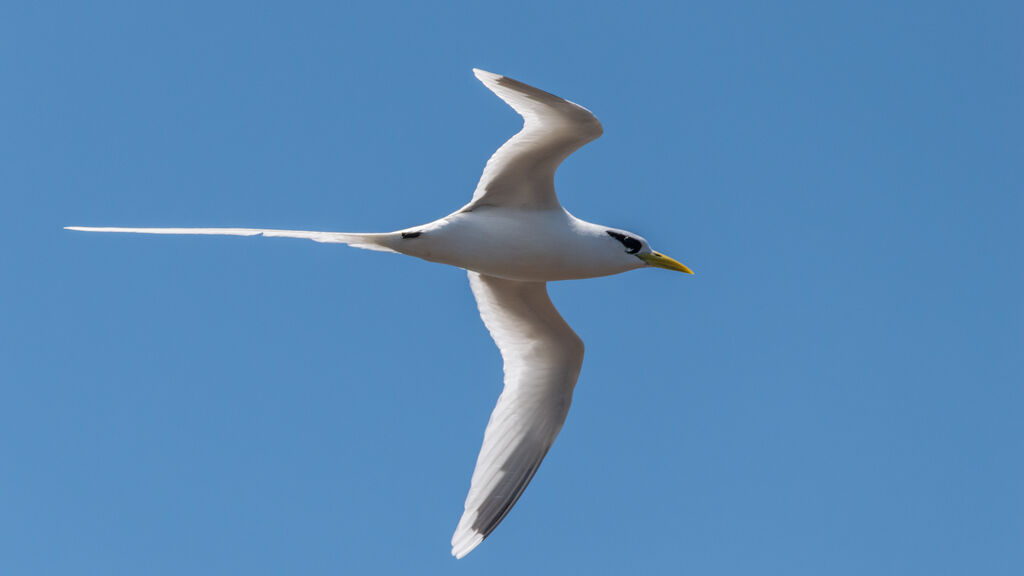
(407, 235)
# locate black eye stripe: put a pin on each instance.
(632, 244)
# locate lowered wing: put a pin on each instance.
(542, 358)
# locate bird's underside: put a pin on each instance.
(512, 237)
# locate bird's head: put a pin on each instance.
(636, 247)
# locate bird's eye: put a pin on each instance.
(632, 244)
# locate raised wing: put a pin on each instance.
(521, 173)
(542, 362)
(367, 241)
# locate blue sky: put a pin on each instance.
(837, 390)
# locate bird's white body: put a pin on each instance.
(512, 237)
(516, 244)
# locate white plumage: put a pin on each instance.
(512, 237)
(542, 357)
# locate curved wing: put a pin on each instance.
(542, 358)
(367, 241)
(521, 173)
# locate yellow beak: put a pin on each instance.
(661, 261)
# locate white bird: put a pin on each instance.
(513, 237)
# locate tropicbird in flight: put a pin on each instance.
(513, 237)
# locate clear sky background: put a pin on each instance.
(838, 389)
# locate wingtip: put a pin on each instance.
(484, 75)
(465, 542)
